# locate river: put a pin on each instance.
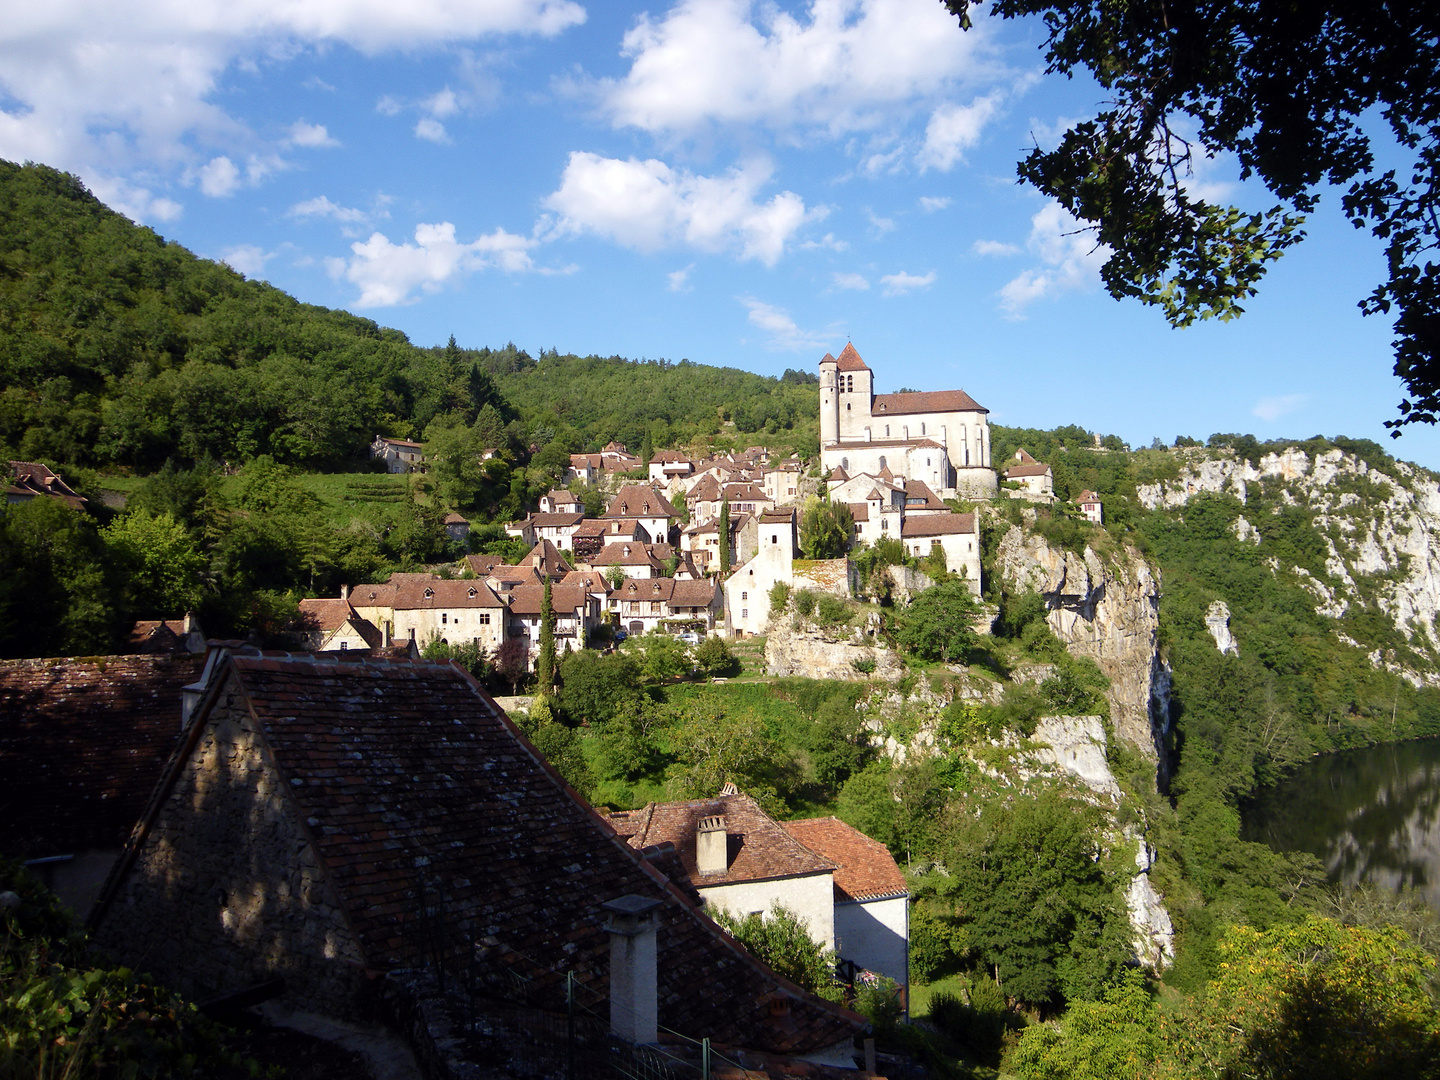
(1370, 815)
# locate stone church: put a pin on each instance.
(941, 437)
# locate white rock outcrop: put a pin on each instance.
(1108, 610)
(1217, 621)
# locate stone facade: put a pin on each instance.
(225, 889)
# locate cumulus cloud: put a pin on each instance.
(1070, 261)
(1272, 408)
(902, 283)
(952, 130)
(219, 177)
(389, 273)
(881, 225)
(783, 333)
(136, 202)
(932, 203)
(680, 279)
(856, 282)
(310, 136)
(247, 259)
(648, 206)
(99, 85)
(431, 130)
(841, 65)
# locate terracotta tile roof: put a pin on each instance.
(1087, 496)
(927, 401)
(760, 850)
(156, 636)
(424, 592)
(640, 500)
(1023, 457)
(453, 518)
(83, 742)
(859, 511)
(657, 588)
(554, 521)
(407, 771)
(697, 593)
(546, 556)
(483, 564)
(707, 490)
(585, 461)
(325, 614)
(627, 553)
(565, 599)
(918, 489)
(938, 525)
(778, 516)
(402, 442)
(1035, 469)
(827, 359)
(30, 478)
(849, 360)
(838, 473)
(864, 868)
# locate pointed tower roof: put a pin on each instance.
(849, 360)
(826, 359)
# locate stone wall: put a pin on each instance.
(826, 653)
(226, 890)
(1108, 610)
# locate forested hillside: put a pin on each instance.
(120, 350)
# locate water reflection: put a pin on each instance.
(1371, 816)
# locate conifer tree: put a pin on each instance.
(724, 529)
(545, 664)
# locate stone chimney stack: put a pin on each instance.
(344, 592)
(634, 998)
(712, 854)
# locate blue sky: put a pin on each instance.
(734, 183)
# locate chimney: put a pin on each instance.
(387, 630)
(634, 1001)
(344, 592)
(711, 847)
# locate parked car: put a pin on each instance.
(620, 635)
(690, 637)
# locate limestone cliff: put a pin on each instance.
(1378, 525)
(794, 646)
(1107, 609)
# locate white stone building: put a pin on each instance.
(939, 437)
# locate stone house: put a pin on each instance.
(420, 608)
(782, 484)
(670, 465)
(560, 501)
(747, 590)
(575, 610)
(181, 635)
(956, 534)
(399, 455)
(1090, 506)
(641, 605)
(83, 742)
(331, 823)
(557, 528)
(31, 480)
(647, 508)
(457, 529)
(844, 886)
(584, 469)
(702, 542)
(1036, 479)
(633, 558)
(333, 625)
(940, 437)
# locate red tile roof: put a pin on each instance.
(928, 401)
(760, 850)
(938, 525)
(407, 771)
(83, 743)
(849, 360)
(640, 500)
(864, 868)
(1033, 469)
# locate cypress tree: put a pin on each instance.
(724, 528)
(545, 664)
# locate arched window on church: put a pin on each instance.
(922, 429)
(882, 461)
(845, 463)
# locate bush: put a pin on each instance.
(715, 658)
(831, 610)
(865, 665)
(805, 603)
(877, 998)
(782, 942)
(779, 596)
(980, 1024)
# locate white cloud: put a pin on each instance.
(952, 130)
(1272, 408)
(432, 130)
(219, 177)
(135, 202)
(784, 334)
(103, 85)
(881, 225)
(247, 259)
(841, 65)
(828, 242)
(995, 248)
(322, 207)
(1070, 261)
(442, 103)
(851, 281)
(932, 203)
(389, 273)
(902, 283)
(310, 136)
(648, 206)
(680, 279)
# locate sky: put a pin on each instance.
(733, 183)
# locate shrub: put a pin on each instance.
(783, 943)
(865, 665)
(877, 998)
(805, 603)
(831, 610)
(715, 658)
(779, 596)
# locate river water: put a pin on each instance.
(1370, 815)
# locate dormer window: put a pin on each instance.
(429, 593)
(473, 592)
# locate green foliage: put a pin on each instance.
(877, 998)
(979, 1024)
(1115, 1038)
(938, 624)
(160, 563)
(714, 658)
(545, 661)
(57, 596)
(596, 687)
(826, 528)
(805, 602)
(469, 655)
(779, 597)
(713, 744)
(660, 656)
(781, 941)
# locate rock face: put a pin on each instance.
(1381, 528)
(1217, 621)
(1108, 610)
(1075, 746)
(827, 653)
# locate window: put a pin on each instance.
(887, 431)
(922, 429)
(885, 524)
(444, 617)
(344, 646)
(484, 618)
(744, 613)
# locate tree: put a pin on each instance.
(715, 658)
(545, 662)
(783, 943)
(724, 530)
(825, 529)
(712, 744)
(160, 563)
(939, 623)
(1294, 92)
(594, 687)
